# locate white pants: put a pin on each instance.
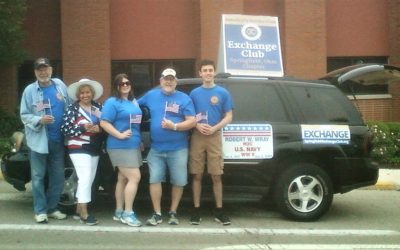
(85, 166)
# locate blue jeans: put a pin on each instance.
(176, 161)
(45, 200)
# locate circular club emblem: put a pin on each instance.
(251, 32)
(214, 100)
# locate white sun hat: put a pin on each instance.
(98, 88)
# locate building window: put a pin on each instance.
(334, 63)
(145, 74)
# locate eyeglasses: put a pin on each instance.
(127, 83)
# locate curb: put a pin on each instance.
(386, 186)
(389, 179)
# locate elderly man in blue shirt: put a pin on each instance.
(42, 107)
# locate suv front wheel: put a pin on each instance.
(303, 192)
(67, 199)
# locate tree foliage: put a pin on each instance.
(12, 15)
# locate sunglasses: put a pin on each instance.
(127, 83)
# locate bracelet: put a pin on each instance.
(175, 127)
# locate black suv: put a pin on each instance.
(293, 142)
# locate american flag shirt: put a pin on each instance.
(78, 139)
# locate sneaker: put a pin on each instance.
(41, 218)
(76, 216)
(173, 220)
(154, 220)
(118, 215)
(90, 220)
(57, 215)
(222, 218)
(130, 219)
(195, 219)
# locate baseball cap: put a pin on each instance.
(40, 62)
(168, 72)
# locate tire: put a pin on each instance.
(67, 199)
(303, 192)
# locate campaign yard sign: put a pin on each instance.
(250, 45)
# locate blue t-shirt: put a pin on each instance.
(53, 102)
(123, 114)
(173, 107)
(211, 104)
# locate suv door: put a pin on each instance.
(257, 102)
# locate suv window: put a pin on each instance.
(324, 105)
(261, 97)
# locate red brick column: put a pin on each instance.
(210, 22)
(394, 31)
(303, 38)
(394, 56)
(85, 36)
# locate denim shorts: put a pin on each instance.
(174, 161)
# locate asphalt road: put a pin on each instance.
(361, 219)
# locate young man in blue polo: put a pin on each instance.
(213, 105)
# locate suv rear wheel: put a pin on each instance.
(303, 192)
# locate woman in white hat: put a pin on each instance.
(84, 135)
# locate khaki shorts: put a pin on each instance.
(127, 158)
(206, 148)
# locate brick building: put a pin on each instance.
(99, 38)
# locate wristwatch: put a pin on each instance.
(174, 126)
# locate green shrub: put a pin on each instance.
(386, 142)
(5, 146)
(9, 124)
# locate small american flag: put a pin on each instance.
(172, 107)
(202, 117)
(137, 119)
(96, 111)
(42, 105)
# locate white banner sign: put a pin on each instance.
(247, 141)
(323, 134)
